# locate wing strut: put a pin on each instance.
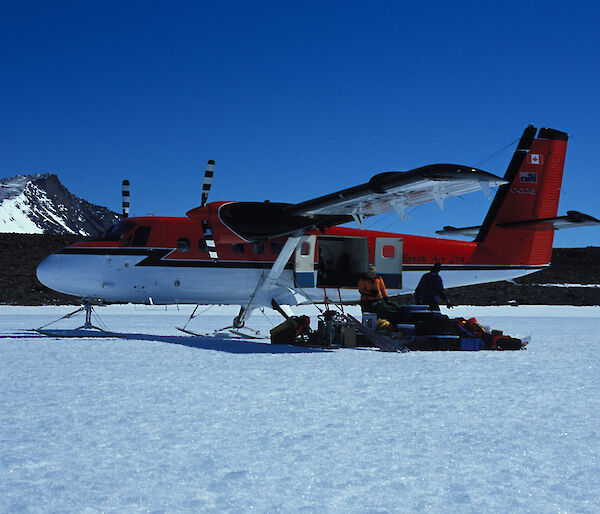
(288, 249)
(266, 284)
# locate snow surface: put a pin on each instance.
(168, 423)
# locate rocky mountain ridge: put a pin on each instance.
(41, 204)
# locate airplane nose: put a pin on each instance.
(50, 273)
(77, 275)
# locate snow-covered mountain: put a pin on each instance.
(40, 204)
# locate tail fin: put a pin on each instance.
(534, 178)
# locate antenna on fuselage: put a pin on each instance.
(208, 176)
(125, 198)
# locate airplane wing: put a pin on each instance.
(258, 221)
(397, 190)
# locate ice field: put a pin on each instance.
(171, 423)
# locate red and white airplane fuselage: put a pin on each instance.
(162, 274)
(249, 254)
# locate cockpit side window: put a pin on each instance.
(140, 236)
(183, 244)
(276, 247)
(116, 232)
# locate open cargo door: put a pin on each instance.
(304, 262)
(388, 260)
(342, 260)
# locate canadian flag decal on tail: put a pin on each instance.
(535, 158)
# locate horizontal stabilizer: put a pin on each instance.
(464, 231)
(573, 219)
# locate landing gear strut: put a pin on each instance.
(240, 320)
(87, 307)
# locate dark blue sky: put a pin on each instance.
(294, 99)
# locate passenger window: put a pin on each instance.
(183, 244)
(140, 236)
(259, 248)
(202, 246)
(276, 247)
(388, 251)
(238, 248)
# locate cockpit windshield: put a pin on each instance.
(117, 231)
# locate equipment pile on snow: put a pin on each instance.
(412, 328)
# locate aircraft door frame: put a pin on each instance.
(341, 260)
(388, 260)
(304, 262)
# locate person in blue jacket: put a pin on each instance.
(430, 290)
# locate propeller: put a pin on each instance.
(208, 176)
(210, 241)
(125, 198)
(208, 233)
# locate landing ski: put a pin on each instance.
(230, 334)
(195, 334)
(77, 332)
(247, 336)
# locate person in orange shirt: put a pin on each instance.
(372, 291)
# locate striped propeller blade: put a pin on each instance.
(208, 176)
(125, 198)
(210, 241)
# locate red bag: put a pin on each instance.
(472, 326)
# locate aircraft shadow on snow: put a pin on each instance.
(220, 344)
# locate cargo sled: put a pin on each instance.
(410, 328)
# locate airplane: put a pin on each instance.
(265, 254)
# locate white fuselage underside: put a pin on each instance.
(116, 278)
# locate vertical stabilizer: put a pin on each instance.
(534, 178)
